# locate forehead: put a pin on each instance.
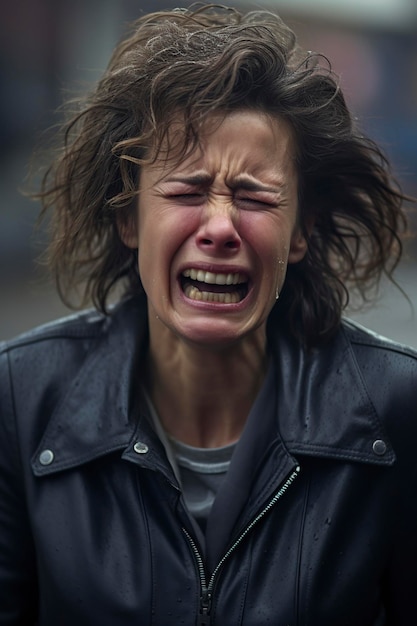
(240, 141)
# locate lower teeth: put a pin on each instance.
(207, 296)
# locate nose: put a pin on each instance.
(218, 232)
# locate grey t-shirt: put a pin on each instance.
(202, 471)
(199, 471)
(218, 497)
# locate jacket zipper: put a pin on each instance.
(204, 618)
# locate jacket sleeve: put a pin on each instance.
(18, 595)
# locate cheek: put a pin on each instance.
(161, 236)
(269, 237)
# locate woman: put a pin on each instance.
(219, 447)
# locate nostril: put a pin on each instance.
(212, 238)
(231, 244)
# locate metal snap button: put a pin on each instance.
(46, 457)
(379, 447)
(140, 448)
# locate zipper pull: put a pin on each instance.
(204, 618)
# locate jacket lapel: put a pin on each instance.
(97, 414)
(323, 406)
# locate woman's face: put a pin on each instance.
(216, 231)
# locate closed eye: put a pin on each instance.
(188, 198)
(255, 202)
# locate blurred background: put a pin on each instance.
(53, 49)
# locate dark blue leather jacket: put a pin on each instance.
(92, 525)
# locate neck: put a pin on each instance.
(203, 396)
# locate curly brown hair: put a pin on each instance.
(201, 60)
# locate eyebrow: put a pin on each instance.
(242, 181)
(200, 178)
(249, 184)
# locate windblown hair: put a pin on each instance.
(208, 59)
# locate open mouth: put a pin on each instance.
(214, 287)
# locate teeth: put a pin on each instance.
(214, 279)
(207, 296)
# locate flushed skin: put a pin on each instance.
(230, 206)
(108, 522)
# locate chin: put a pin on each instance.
(213, 334)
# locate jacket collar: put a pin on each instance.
(97, 415)
(323, 406)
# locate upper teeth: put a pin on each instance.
(214, 278)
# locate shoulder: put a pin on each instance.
(37, 366)
(51, 351)
(58, 348)
(77, 326)
(361, 336)
(380, 359)
(48, 366)
(35, 372)
(374, 350)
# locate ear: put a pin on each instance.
(299, 240)
(128, 231)
(298, 247)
